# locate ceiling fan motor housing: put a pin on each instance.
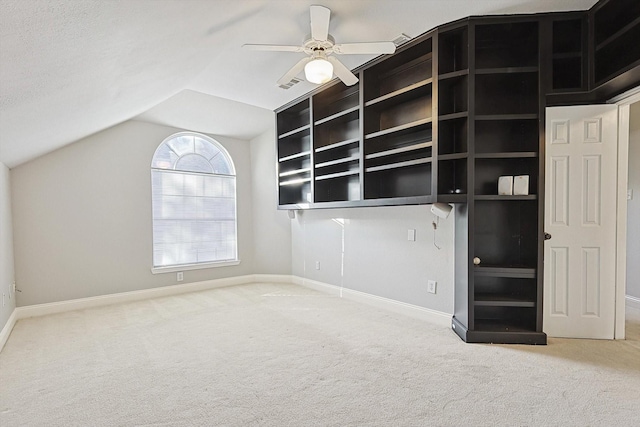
(311, 45)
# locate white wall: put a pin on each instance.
(633, 206)
(82, 217)
(366, 249)
(6, 248)
(271, 227)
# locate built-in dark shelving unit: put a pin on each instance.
(616, 31)
(568, 53)
(442, 120)
(496, 300)
(336, 143)
(398, 125)
(295, 154)
(453, 113)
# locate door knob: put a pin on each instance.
(547, 236)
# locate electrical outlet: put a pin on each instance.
(411, 235)
(180, 276)
(431, 286)
(317, 265)
(630, 194)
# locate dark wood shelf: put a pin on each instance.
(399, 92)
(493, 300)
(620, 32)
(337, 144)
(453, 74)
(505, 198)
(337, 175)
(295, 172)
(295, 131)
(398, 128)
(509, 155)
(294, 156)
(337, 161)
(294, 182)
(399, 165)
(507, 70)
(337, 115)
(527, 116)
(394, 151)
(453, 116)
(513, 272)
(452, 156)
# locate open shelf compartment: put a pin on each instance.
(407, 70)
(294, 118)
(335, 101)
(508, 44)
(506, 237)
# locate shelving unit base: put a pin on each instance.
(498, 337)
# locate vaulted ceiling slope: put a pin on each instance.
(70, 68)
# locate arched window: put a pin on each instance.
(193, 186)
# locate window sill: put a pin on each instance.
(186, 267)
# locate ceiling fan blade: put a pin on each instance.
(342, 72)
(320, 16)
(274, 47)
(294, 71)
(364, 48)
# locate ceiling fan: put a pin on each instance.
(319, 66)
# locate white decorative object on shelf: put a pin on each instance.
(505, 185)
(521, 185)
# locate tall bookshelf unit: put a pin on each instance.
(453, 113)
(336, 144)
(498, 298)
(295, 155)
(398, 125)
(440, 121)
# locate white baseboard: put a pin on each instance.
(8, 327)
(36, 310)
(426, 314)
(632, 301)
(272, 278)
(123, 297)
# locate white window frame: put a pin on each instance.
(229, 161)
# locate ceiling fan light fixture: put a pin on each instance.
(318, 71)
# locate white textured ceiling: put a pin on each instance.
(70, 68)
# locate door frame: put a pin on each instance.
(623, 101)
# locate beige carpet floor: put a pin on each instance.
(283, 355)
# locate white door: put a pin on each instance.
(580, 215)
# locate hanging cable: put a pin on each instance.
(434, 223)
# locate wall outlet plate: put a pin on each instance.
(180, 276)
(431, 286)
(411, 235)
(317, 265)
